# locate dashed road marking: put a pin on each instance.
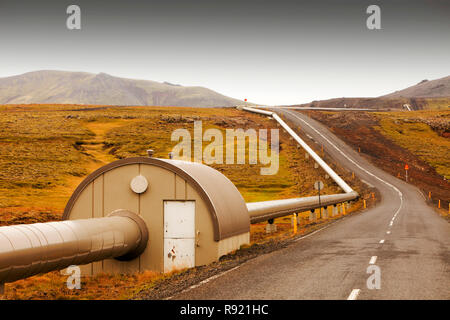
(388, 232)
(355, 292)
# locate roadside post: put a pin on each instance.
(335, 210)
(294, 218)
(319, 185)
(325, 212)
(406, 172)
(312, 215)
(270, 226)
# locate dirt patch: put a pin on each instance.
(21, 215)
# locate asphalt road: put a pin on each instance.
(402, 236)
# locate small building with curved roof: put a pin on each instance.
(194, 214)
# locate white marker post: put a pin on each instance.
(319, 185)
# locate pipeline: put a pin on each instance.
(30, 249)
(305, 146)
(265, 210)
(27, 250)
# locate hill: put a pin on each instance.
(434, 94)
(382, 103)
(64, 87)
(438, 88)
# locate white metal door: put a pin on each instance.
(179, 235)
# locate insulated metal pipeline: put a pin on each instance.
(265, 210)
(30, 249)
(307, 148)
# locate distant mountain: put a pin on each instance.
(381, 103)
(438, 88)
(103, 89)
(434, 94)
(361, 103)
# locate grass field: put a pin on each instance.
(415, 133)
(46, 151)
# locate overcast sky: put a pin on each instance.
(271, 52)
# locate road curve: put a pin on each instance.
(402, 236)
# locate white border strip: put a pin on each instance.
(205, 281)
(354, 294)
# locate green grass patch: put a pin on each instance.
(411, 131)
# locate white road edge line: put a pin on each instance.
(354, 294)
(310, 234)
(349, 159)
(342, 184)
(225, 272)
(318, 230)
(373, 260)
(205, 281)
